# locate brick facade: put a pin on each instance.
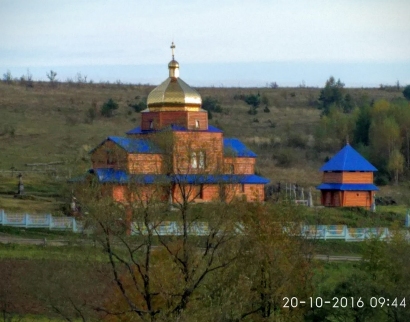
(176, 146)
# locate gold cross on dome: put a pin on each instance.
(172, 49)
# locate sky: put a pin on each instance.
(220, 43)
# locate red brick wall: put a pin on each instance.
(240, 165)
(109, 151)
(145, 163)
(254, 192)
(125, 194)
(185, 143)
(147, 117)
(201, 116)
(184, 118)
(211, 192)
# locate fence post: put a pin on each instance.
(2, 217)
(50, 221)
(325, 232)
(26, 220)
(345, 231)
(74, 224)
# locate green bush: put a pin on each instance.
(406, 92)
(284, 158)
(138, 107)
(108, 108)
(211, 104)
(297, 141)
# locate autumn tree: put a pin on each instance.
(401, 113)
(273, 263)
(385, 137)
(396, 164)
(335, 129)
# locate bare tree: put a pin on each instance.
(52, 77)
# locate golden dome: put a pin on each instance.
(173, 64)
(174, 93)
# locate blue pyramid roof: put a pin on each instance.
(234, 147)
(348, 159)
(131, 145)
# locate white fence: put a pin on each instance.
(167, 228)
(40, 221)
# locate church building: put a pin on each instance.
(347, 180)
(175, 154)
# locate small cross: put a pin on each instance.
(172, 48)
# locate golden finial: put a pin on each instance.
(172, 49)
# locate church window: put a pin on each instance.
(198, 160)
(151, 124)
(194, 161)
(196, 124)
(201, 160)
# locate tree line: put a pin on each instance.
(380, 130)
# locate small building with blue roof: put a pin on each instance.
(347, 180)
(175, 154)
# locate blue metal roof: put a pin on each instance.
(137, 130)
(173, 127)
(120, 176)
(347, 186)
(108, 175)
(132, 145)
(236, 148)
(348, 159)
(222, 178)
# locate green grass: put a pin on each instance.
(337, 247)
(355, 217)
(37, 233)
(34, 318)
(40, 252)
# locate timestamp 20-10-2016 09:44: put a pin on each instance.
(344, 302)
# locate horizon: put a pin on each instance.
(285, 74)
(364, 43)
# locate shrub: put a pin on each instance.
(297, 141)
(211, 104)
(406, 92)
(138, 107)
(284, 158)
(108, 108)
(91, 115)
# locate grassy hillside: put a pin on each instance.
(43, 124)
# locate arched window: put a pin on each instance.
(151, 124)
(196, 124)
